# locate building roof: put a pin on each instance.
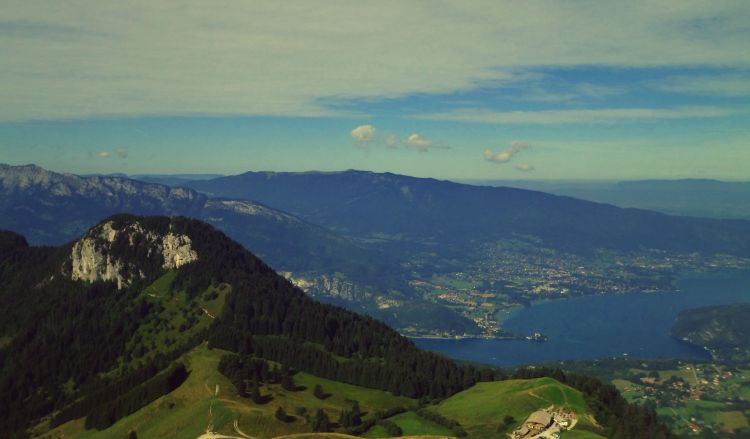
(523, 431)
(540, 417)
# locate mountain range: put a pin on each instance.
(429, 213)
(156, 326)
(53, 208)
(362, 240)
(689, 197)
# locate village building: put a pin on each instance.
(539, 420)
(547, 422)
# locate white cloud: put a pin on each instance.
(719, 85)
(363, 135)
(524, 167)
(418, 142)
(122, 153)
(604, 115)
(507, 154)
(104, 154)
(140, 58)
(423, 144)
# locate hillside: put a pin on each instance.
(688, 197)
(135, 293)
(446, 213)
(50, 208)
(484, 405)
(187, 412)
(135, 324)
(723, 330)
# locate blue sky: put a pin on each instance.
(528, 90)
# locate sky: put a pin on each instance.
(601, 90)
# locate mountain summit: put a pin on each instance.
(90, 302)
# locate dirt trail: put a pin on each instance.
(240, 432)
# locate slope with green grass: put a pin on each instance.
(188, 411)
(411, 424)
(481, 408)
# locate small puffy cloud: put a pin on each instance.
(524, 167)
(104, 154)
(507, 154)
(418, 142)
(122, 153)
(363, 135)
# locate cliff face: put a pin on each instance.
(93, 258)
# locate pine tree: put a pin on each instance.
(281, 415)
(255, 395)
(321, 423)
(287, 382)
(318, 392)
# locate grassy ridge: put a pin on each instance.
(184, 413)
(411, 424)
(482, 408)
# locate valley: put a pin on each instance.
(507, 275)
(219, 342)
(379, 220)
(696, 399)
(477, 300)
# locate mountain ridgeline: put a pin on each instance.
(101, 326)
(50, 208)
(355, 203)
(79, 311)
(686, 197)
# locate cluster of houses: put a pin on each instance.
(545, 424)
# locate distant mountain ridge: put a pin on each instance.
(53, 208)
(689, 197)
(370, 205)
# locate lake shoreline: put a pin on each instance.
(636, 325)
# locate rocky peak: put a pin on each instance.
(246, 207)
(111, 191)
(102, 254)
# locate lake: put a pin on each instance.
(606, 325)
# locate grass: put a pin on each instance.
(685, 374)
(630, 391)
(377, 431)
(184, 413)
(411, 424)
(458, 284)
(708, 412)
(732, 420)
(180, 414)
(482, 408)
(580, 434)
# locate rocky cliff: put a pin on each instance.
(94, 257)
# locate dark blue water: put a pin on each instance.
(602, 326)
